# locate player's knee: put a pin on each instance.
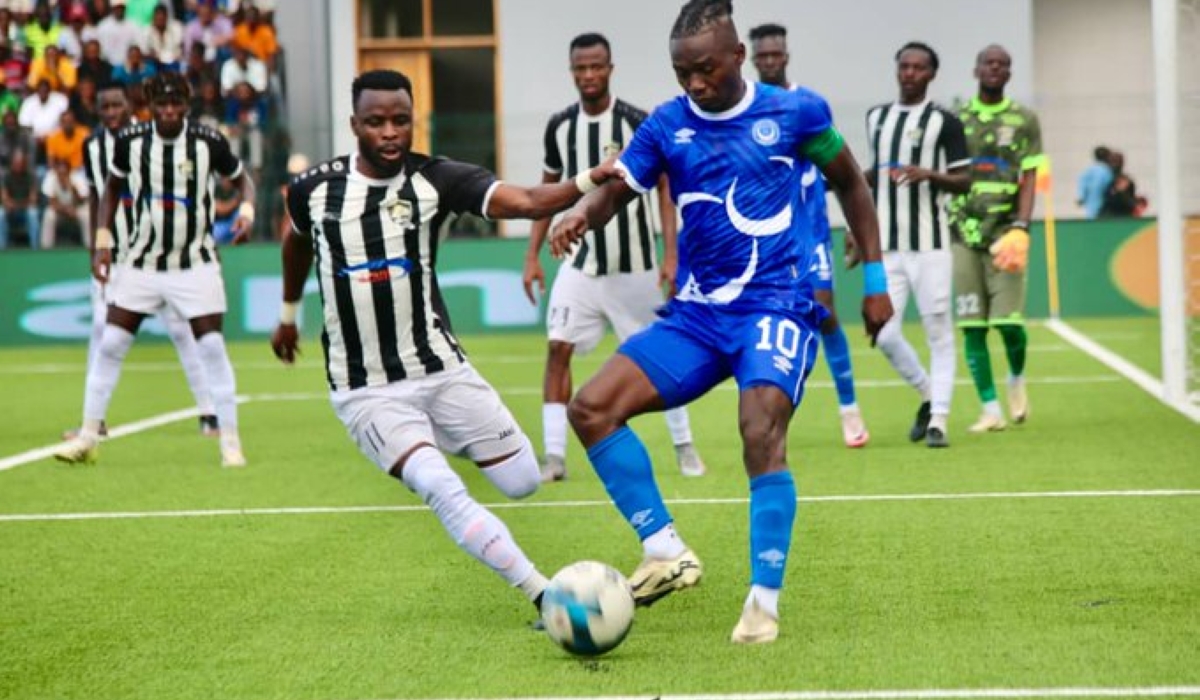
(939, 330)
(516, 476)
(890, 337)
(586, 414)
(115, 342)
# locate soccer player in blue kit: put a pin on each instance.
(733, 151)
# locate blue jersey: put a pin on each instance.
(736, 177)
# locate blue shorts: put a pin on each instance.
(694, 347)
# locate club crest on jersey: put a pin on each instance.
(1005, 135)
(400, 212)
(765, 132)
(187, 168)
(914, 134)
(611, 149)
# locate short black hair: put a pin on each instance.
(109, 84)
(588, 40)
(763, 31)
(921, 46)
(166, 83)
(1102, 153)
(697, 15)
(379, 80)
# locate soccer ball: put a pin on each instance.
(588, 608)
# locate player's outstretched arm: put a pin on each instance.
(593, 211)
(855, 197)
(297, 254)
(541, 201)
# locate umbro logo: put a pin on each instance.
(684, 135)
(641, 518)
(773, 558)
(782, 364)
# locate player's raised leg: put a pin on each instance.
(631, 383)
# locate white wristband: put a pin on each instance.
(288, 312)
(246, 211)
(584, 181)
(104, 238)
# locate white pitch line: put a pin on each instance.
(1176, 691)
(1120, 365)
(40, 453)
(510, 505)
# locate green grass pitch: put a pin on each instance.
(1064, 553)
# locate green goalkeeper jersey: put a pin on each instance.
(1003, 140)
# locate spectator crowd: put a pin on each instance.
(56, 55)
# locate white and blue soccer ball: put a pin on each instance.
(588, 608)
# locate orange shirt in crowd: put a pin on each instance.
(259, 41)
(59, 146)
(61, 77)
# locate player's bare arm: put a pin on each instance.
(102, 237)
(593, 211)
(854, 195)
(670, 234)
(957, 180)
(533, 263)
(541, 201)
(244, 223)
(297, 254)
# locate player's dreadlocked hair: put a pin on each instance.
(697, 15)
(166, 83)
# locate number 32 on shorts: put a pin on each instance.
(966, 305)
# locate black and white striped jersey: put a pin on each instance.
(376, 245)
(97, 162)
(171, 182)
(575, 141)
(913, 217)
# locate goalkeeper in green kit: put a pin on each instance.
(991, 233)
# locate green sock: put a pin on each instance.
(980, 363)
(1015, 340)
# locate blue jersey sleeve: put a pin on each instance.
(643, 161)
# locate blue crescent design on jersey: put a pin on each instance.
(755, 228)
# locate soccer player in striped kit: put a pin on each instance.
(169, 168)
(918, 159)
(614, 276)
(97, 160)
(398, 378)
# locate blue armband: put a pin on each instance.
(874, 278)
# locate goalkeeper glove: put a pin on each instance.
(1010, 252)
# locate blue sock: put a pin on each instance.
(772, 512)
(837, 354)
(622, 463)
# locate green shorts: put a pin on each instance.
(983, 295)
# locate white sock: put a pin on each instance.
(103, 375)
(848, 408)
(221, 383)
(533, 586)
(992, 408)
(517, 476)
(768, 599)
(679, 426)
(939, 331)
(180, 332)
(470, 525)
(554, 428)
(664, 544)
(938, 420)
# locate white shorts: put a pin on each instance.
(457, 410)
(197, 292)
(581, 304)
(928, 276)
